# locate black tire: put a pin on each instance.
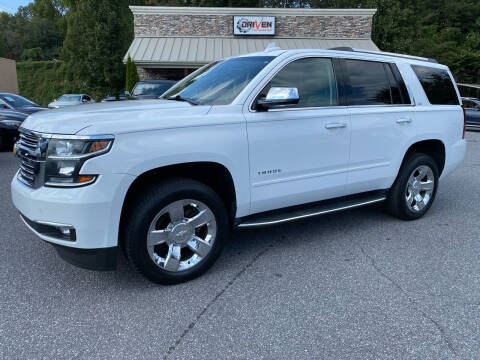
(396, 203)
(148, 204)
(3, 141)
(6, 141)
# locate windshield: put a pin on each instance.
(219, 83)
(150, 89)
(18, 101)
(70, 98)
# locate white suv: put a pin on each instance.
(243, 142)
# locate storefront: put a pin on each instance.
(170, 42)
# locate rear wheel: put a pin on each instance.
(175, 231)
(415, 188)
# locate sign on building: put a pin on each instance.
(253, 25)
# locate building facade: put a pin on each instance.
(170, 42)
(8, 76)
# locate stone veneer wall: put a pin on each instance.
(222, 25)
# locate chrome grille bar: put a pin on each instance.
(29, 153)
(29, 140)
(31, 178)
(27, 170)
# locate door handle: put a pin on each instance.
(335, 125)
(404, 121)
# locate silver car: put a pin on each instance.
(70, 99)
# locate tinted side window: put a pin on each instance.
(313, 77)
(401, 84)
(369, 83)
(437, 85)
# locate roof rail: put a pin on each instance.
(346, 48)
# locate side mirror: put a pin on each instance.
(126, 92)
(278, 96)
(84, 100)
(3, 106)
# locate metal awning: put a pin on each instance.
(180, 52)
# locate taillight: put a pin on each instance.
(464, 122)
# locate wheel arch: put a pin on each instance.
(212, 174)
(432, 147)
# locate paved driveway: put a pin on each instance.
(355, 285)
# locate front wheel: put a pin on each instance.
(415, 188)
(175, 231)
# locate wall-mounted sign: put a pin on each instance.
(253, 25)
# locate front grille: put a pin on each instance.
(30, 154)
(29, 140)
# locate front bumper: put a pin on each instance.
(92, 211)
(103, 259)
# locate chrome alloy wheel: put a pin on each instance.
(181, 235)
(420, 186)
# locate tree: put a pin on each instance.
(99, 33)
(37, 25)
(447, 30)
(31, 54)
(131, 75)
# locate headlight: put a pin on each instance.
(65, 158)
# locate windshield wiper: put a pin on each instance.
(180, 98)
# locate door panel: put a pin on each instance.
(295, 158)
(379, 137)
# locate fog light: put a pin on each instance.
(65, 231)
(54, 230)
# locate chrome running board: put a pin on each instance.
(313, 209)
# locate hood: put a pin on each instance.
(63, 103)
(31, 109)
(114, 98)
(12, 114)
(116, 117)
(140, 97)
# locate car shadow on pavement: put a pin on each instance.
(244, 245)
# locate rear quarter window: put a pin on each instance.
(437, 85)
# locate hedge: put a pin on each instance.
(43, 81)
(40, 81)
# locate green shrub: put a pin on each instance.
(132, 75)
(43, 81)
(32, 54)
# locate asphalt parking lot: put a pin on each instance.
(355, 285)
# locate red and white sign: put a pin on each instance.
(253, 25)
